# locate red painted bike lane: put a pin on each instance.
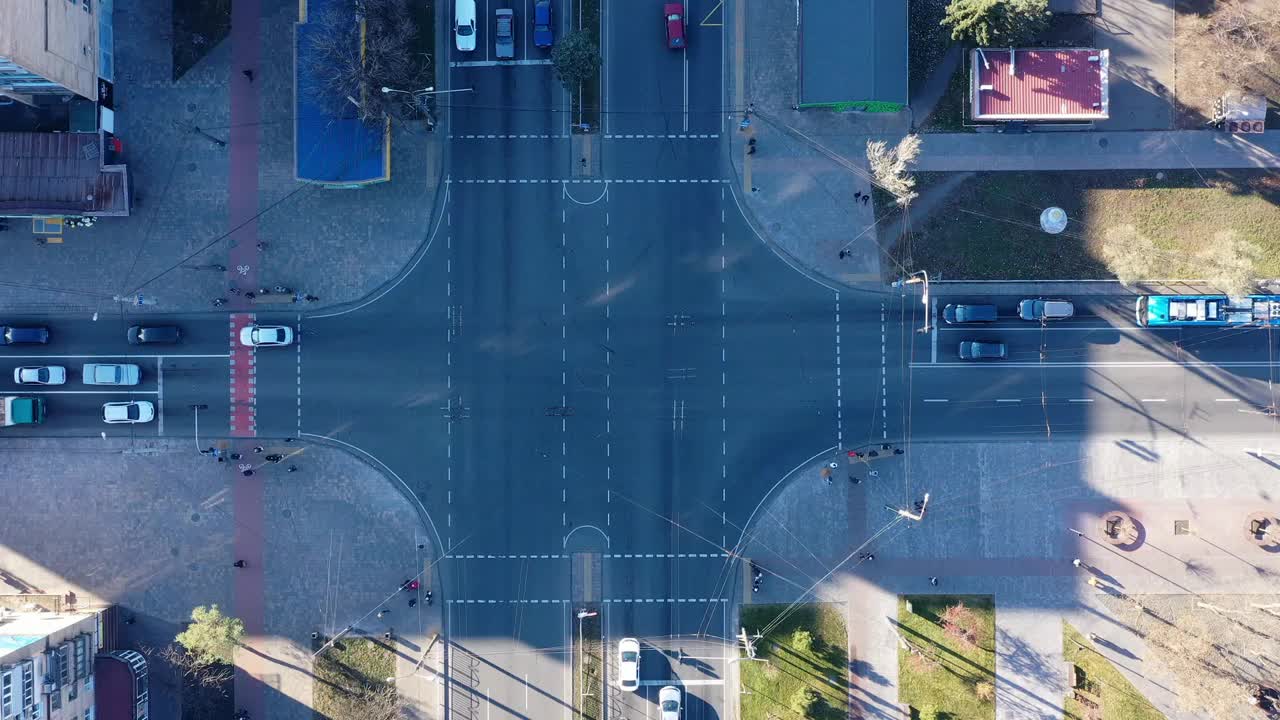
(248, 494)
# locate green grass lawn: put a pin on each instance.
(1117, 699)
(784, 669)
(949, 114)
(948, 681)
(989, 227)
(349, 675)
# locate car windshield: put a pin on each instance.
(42, 374)
(630, 656)
(465, 30)
(132, 412)
(670, 706)
(673, 17)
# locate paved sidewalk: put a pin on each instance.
(1169, 150)
(156, 533)
(1139, 34)
(337, 244)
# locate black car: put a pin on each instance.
(139, 335)
(977, 350)
(15, 335)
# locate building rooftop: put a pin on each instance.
(853, 51)
(59, 174)
(18, 629)
(1047, 84)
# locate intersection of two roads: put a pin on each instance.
(594, 372)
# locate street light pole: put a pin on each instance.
(582, 660)
(197, 409)
(424, 91)
(919, 276)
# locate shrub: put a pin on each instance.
(802, 640)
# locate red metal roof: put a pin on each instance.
(1045, 84)
(59, 174)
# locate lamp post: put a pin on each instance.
(197, 409)
(919, 276)
(582, 657)
(424, 91)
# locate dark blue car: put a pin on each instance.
(543, 36)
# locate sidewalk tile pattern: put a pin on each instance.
(244, 380)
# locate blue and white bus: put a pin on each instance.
(1207, 310)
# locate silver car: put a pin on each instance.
(669, 702)
(133, 411)
(40, 375)
(110, 374)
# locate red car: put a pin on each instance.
(674, 15)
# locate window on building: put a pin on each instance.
(88, 5)
(82, 654)
(74, 692)
(6, 692)
(55, 700)
(64, 663)
(28, 684)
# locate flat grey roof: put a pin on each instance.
(853, 50)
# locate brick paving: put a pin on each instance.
(1000, 522)
(337, 245)
(155, 527)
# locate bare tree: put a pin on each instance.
(889, 167)
(961, 624)
(1247, 37)
(1230, 262)
(201, 673)
(347, 78)
(371, 702)
(1128, 254)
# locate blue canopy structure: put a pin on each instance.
(335, 150)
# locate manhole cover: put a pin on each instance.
(195, 517)
(287, 513)
(1103, 142)
(173, 551)
(191, 107)
(1181, 527)
(191, 167)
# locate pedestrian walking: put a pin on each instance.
(219, 302)
(238, 563)
(233, 290)
(855, 480)
(292, 468)
(382, 612)
(247, 473)
(315, 635)
(251, 294)
(866, 199)
(857, 196)
(311, 298)
(1093, 637)
(1076, 562)
(247, 73)
(933, 581)
(843, 254)
(236, 456)
(289, 440)
(257, 449)
(413, 601)
(427, 597)
(387, 636)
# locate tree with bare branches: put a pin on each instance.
(1247, 36)
(889, 167)
(346, 78)
(1230, 262)
(1128, 254)
(961, 624)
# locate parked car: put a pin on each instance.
(977, 350)
(110, 374)
(504, 35)
(669, 702)
(15, 335)
(543, 33)
(954, 314)
(167, 334)
(265, 335)
(1038, 309)
(673, 13)
(132, 411)
(40, 375)
(464, 25)
(629, 664)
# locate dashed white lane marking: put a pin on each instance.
(586, 181)
(611, 556)
(564, 601)
(531, 136)
(839, 389)
(1008, 400)
(936, 400)
(724, 378)
(884, 375)
(671, 136)
(297, 340)
(678, 681)
(1080, 400)
(1154, 400)
(1226, 399)
(495, 63)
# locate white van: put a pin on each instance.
(464, 24)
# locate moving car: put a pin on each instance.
(464, 25)
(132, 411)
(669, 702)
(168, 334)
(673, 13)
(543, 35)
(969, 314)
(629, 664)
(1045, 309)
(265, 335)
(15, 335)
(110, 374)
(977, 350)
(504, 38)
(40, 375)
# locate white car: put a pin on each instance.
(629, 664)
(464, 25)
(266, 335)
(110, 374)
(669, 702)
(133, 411)
(40, 375)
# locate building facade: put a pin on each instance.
(46, 664)
(55, 48)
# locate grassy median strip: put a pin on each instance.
(948, 668)
(351, 681)
(585, 103)
(1098, 687)
(801, 665)
(588, 668)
